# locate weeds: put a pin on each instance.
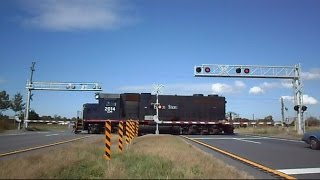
(149, 157)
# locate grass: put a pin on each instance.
(9, 125)
(277, 131)
(5, 125)
(46, 127)
(149, 157)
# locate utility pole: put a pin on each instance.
(29, 85)
(282, 111)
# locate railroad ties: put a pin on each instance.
(130, 130)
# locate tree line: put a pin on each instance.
(17, 105)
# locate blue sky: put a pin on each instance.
(130, 45)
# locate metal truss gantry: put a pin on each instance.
(56, 86)
(256, 71)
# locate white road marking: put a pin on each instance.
(13, 134)
(213, 138)
(227, 138)
(290, 140)
(52, 134)
(300, 171)
(242, 139)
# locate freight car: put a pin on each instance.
(197, 114)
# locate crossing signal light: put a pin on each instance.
(246, 70)
(198, 69)
(97, 95)
(303, 108)
(238, 70)
(207, 69)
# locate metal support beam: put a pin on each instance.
(157, 91)
(65, 86)
(255, 71)
(55, 86)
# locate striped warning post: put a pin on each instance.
(137, 128)
(120, 136)
(131, 127)
(127, 132)
(108, 140)
(134, 128)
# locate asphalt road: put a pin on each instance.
(20, 140)
(291, 157)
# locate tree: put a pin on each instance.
(4, 101)
(33, 115)
(312, 121)
(17, 104)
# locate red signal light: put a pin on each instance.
(207, 69)
(246, 70)
(238, 70)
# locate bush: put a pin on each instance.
(312, 121)
(4, 125)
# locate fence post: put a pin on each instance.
(108, 140)
(120, 136)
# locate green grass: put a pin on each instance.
(277, 131)
(148, 157)
(46, 127)
(6, 125)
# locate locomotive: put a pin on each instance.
(196, 114)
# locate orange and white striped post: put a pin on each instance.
(137, 128)
(127, 132)
(108, 140)
(131, 135)
(120, 146)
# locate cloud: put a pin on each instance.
(181, 89)
(256, 90)
(2, 80)
(269, 85)
(76, 14)
(307, 100)
(188, 88)
(239, 84)
(286, 84)
(287, 98)
(219, 88)
(314, 74)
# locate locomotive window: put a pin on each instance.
(111, 103)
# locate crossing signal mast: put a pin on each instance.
(255, 71)
(157, 105)
(55, 86)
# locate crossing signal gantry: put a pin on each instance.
(255, 71)
(55, 86)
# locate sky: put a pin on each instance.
(130, 45)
